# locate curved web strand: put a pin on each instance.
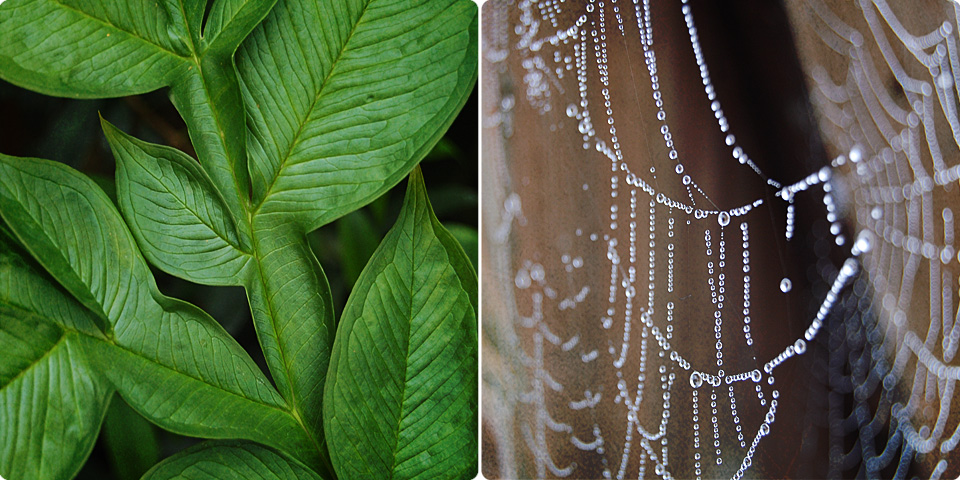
(884, 78)
(652, 305)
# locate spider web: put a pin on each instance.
(884, 78)
(644, 310)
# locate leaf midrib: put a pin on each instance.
(186, 23)
(76, 277)
(406, 363)
(313, 105)
(196, 60)
(431, 226)
(221, 139)
(200, 380)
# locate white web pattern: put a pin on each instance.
(567, 326)
(902, 168)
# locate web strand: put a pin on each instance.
(646, 313)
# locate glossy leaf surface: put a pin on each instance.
(293, 312)
(342, 99)
(299, 112)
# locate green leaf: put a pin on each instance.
(344, 97)
(22, 285)
(197, 384)
(191, 11)
(401, 395)
(208, 98)
(51, 401)
(230, 21)
(96, 270)
(90, 48)
(176, 214)
(99, 48)
(171, 362)
(130, 441)
(230, 459)
(293, 313)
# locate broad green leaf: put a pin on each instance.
(293, 314)
(100, 48)
(191, 11)
(51, 401)
(171, 362)
(188, 401)
(208, 98)
(344, 97)
(95, 269)
(401, 394)
(230, 21)
(230, 459)
(130, 441)
(22, 285)
(90, 48)
(176, 214)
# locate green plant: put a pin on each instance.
(300, 112)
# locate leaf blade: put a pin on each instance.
(208, 409)
(53, 236)
(230, 459)
(402, 380)
(22, 286)
(366, 99)
(208, 98)
(230, 21)
(47, 387)
(177, 216)
(293, 314)
(158, 341)
(58, 398)
(89, 49)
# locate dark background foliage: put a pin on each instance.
(68, 131)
